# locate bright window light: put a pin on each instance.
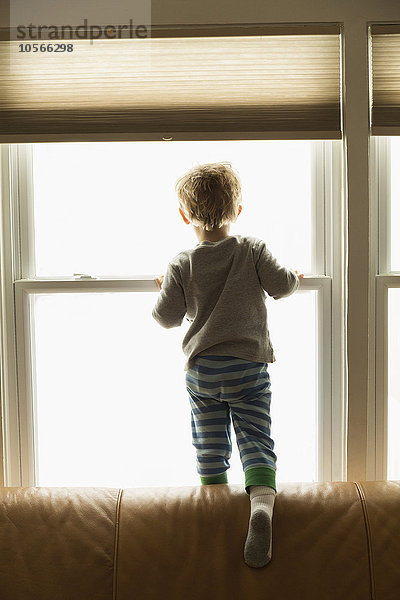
(393, 383)
(110, 209)
(112, 408)
(395, 203)
(111, 402)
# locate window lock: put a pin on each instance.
(83, 276)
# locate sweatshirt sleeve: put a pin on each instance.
(276, 280)
(170, 307)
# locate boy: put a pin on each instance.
(220, 286)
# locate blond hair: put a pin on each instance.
(209, 195)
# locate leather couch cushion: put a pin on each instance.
(188, 543)
(57, 543)
(382, 513)
(331, 541)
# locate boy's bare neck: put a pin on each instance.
(212, 236)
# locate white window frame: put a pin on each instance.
(385, 279)
(18, 284)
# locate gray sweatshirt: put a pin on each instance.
(220, 288)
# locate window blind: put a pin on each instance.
(385, 59)
(209, 83)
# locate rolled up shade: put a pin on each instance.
(208, 84)
(385, 113)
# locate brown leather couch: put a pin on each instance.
(331, 541)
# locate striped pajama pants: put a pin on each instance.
(222, 388)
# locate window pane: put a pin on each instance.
(393, 383)
(112, 408)
(395, 203)
(292, 325)
(111, 209)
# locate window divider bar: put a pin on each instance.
(10, 433)
(15, 209)
(49, 286)
(26, 210)
(336, 259)
(381, 183)
(318, 208)
(324, 382)
(25, 404)
(391, 280)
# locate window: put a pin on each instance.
(101, 391)
(386, 156)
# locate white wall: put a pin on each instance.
(229, 11)
(272, 11)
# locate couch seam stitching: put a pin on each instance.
(116, 539)
(368, 534)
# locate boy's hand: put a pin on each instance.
(299, 275)
(159, 281)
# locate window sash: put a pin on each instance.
(320, 186)
(26, 371)
(383, 284)
(385, 279)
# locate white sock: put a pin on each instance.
(258, 546)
